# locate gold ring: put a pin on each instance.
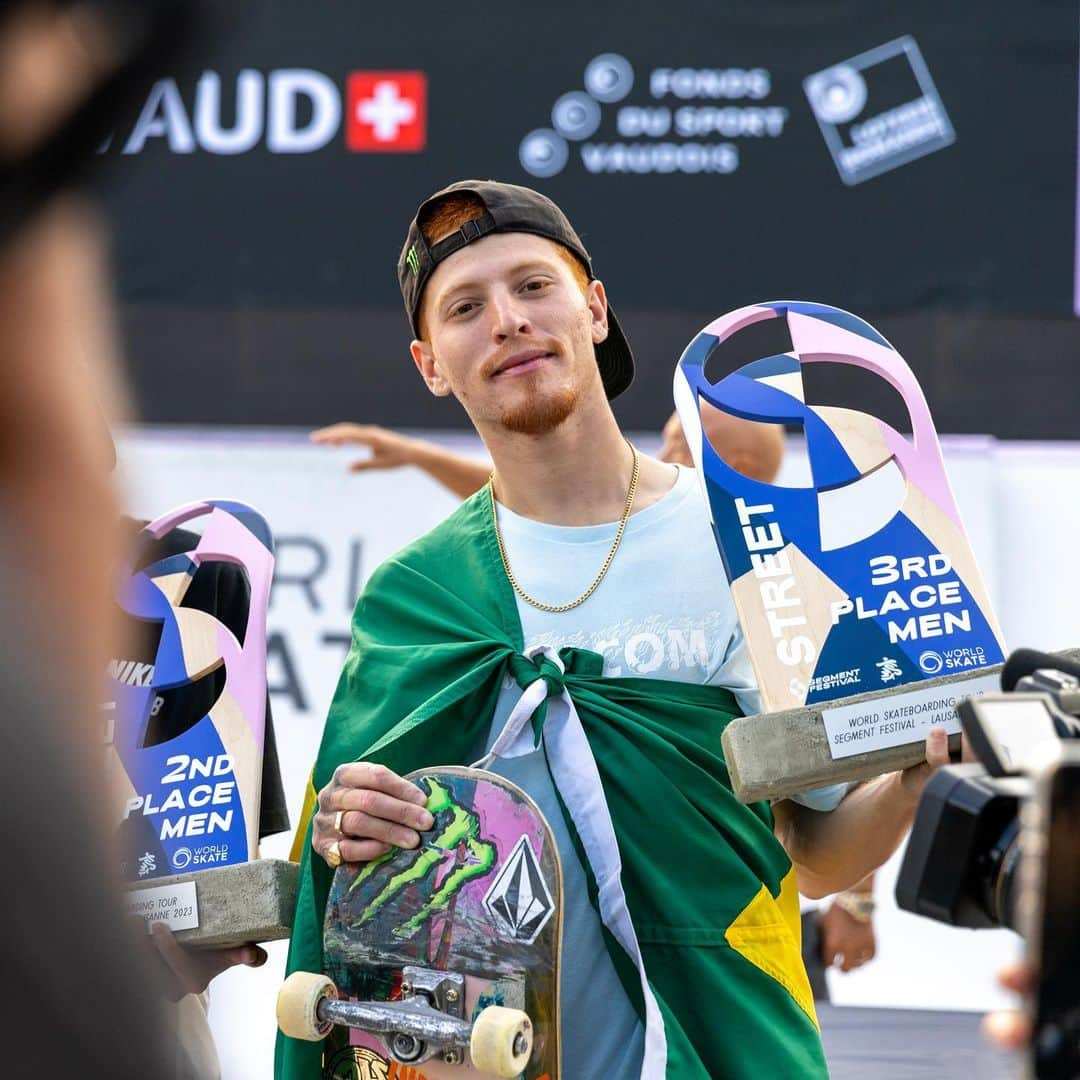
(337, 822)
(333, 856)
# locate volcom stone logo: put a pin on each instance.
(519, 902)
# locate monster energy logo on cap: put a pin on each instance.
(413, 260)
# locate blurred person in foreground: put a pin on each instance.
(839, 934)
(696, 958)
(79, 972)
(86, 981)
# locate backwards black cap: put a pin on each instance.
(508, 208)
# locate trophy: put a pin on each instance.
(185, 735)
(852, 586)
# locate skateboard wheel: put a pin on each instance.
(298, 1006)
(501, 1042)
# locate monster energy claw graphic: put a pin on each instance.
(455, 844)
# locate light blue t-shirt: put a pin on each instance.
(663, 611)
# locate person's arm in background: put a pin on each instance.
(391, 450)
(751, 448)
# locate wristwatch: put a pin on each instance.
(860, 906)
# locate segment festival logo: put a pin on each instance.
(864, 577)
(879, 110)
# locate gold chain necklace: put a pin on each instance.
(558, 608)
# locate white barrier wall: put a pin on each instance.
(333, 528)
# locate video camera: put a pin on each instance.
(998, 843)
(962, 858)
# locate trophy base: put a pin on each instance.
(776, 755)
(224, 906)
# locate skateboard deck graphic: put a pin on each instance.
(467, 924)
(864, 579)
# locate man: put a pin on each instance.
(840, 934)
(77, 968)
(586, 572)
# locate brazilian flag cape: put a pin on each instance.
(710, 891)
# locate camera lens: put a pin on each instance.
(998, 876)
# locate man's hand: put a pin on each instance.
(831, 851)
(913, 779)
(845, 941)
(389, 450)
(378, 810)
(189, 971)
(1011, 1029)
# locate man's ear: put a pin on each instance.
(596, 300)
(429, 369)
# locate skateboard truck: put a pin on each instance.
(428, 1020)
(441, 990)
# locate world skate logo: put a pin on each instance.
(931, 662)
(519, 902)
(879, 110)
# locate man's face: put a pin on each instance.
(510, 333)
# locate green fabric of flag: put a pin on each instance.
(708, 886)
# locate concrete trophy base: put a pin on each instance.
(786, 753)
(247, 902)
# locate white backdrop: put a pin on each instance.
(332, 529)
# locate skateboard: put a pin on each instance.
(442, 962)
(863, 579)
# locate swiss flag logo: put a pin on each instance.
(387, 111)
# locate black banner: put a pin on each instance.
(915, 165)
